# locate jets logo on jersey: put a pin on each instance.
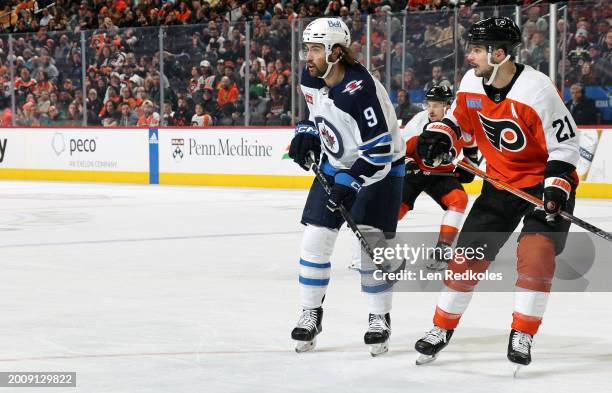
(332, 141)
(352, 87)
(504, 134)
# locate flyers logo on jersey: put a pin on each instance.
(504, 134)
(352, 87)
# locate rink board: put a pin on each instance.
(74, 154)
(234, 157)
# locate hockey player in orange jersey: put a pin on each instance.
(529, 139)
(447, 190)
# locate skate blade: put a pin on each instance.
(379, 349)
(305, 346)
(424, 359)
(517, 367)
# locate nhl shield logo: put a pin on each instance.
(331, 138)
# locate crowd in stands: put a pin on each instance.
(204, 49)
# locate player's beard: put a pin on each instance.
(318, 72)
(484, 72)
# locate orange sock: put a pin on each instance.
(404, 209)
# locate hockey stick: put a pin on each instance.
(534, 200)
(441, 174)
(343, 212)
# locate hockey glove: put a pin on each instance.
(306, 139)
(464, 176)
(556, 192)
(412, 168)
(435, 143)
(343, 192)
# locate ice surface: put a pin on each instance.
(194, 289)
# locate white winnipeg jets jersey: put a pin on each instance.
(356, 122)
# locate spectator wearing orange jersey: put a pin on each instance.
(290, 12)
(25, 84)
(201, 118)
(28, 116)
(8, 18)
(149, 116)
(271, 74)
(119, 6)
(417, 4)
(43, 84)
(109, 110)
(184, 13)
(127, 98)
(227, 94)
(7, 118)
(26, 5)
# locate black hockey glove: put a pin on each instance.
(343, 192)
(464, 176)
(435, 143)
(306, 139)
(556, 193)
(412, 168)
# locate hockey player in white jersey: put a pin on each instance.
(352, 129)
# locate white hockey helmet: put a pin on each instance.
(329, 32)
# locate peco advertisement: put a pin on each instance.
(87, 149)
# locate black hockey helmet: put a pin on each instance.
(495, 32)
(440, 93)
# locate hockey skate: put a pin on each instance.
(307, 329)
(519, 349)
(431, 344)
(355, 266)
(440, 256)
(377, 336)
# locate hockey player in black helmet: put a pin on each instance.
(494, 33)
(519, 123)
(442, 183)
(440, 93)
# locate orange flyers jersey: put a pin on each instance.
(411, 133)
(522, 132)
